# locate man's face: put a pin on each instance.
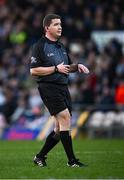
(55, 28)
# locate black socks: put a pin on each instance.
(51, 141)
(67, 144)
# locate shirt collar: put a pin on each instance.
(49, 41)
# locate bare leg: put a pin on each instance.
(64, 120)
(52, 139)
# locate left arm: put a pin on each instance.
(73, 68)
(78, 67)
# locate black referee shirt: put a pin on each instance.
(46, 53)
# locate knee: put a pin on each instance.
(64, 120)
(65, 115)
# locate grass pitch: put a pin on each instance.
(105, 159)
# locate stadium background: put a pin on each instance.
(93, 34)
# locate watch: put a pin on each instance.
(56, 68)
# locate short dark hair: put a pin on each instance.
(48, 18)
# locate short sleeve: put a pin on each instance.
(36, 58)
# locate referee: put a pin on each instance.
(51, 65)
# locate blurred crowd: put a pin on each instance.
(21, 27)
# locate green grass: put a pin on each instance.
(105, 159)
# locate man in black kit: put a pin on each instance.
(51, 65)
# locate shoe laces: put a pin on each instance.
(41, 161)
(77, 161)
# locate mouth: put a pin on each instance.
(59, 31)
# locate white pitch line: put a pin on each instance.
(102, 152)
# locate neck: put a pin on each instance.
(51, 37)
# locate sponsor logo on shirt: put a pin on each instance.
(50, 54)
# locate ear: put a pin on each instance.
(46, 28)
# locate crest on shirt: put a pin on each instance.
(33, 60)
(50, 54)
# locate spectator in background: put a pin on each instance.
(119, 92)
(106, 100)
(87, 94)
(2, 95)
(120, 68)
(3, 124)
(10, 104)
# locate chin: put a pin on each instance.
(59, 34)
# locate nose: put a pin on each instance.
(60, 27)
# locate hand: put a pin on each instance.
(63, 68)
(83, 69)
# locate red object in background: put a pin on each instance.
(2, 2)
(92, 79)
(119, 95)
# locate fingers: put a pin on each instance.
(66, 70)
(63, 68)
(67, 66)
(82, 68)
(86, 70)
(79, 70)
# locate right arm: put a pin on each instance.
(43, 71)
(36, 68)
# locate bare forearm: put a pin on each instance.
(42, 71)
(73, 67)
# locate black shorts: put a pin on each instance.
(55, 97)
